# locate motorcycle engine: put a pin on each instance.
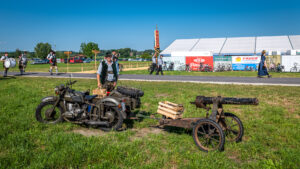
(73, 110)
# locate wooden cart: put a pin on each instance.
(210, 132)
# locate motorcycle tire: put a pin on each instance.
(131, 92)
(118, 124)
(38, 113)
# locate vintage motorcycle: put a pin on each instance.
(78, 107)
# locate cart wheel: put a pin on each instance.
(208, 135)
(234, 129)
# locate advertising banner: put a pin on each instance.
(291, 63)
(273, 59)
(179, 62)
(197, 63)
(222, 58)
(247, 63)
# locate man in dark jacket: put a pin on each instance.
(107, 74)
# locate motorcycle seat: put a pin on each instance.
(90, 97)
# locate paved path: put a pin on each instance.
(193, 79)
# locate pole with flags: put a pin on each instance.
(156, 44)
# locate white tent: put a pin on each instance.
(236, 45)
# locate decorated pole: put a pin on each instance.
(156, 44)
(68, 53)
(95, 52)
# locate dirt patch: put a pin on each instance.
(234, 156)
(141, 133)
(161, 95)
(89, 132)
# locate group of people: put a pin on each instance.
(22, 63)
(157, 63)
(108, 70)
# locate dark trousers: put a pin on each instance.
(5, 72)
(159, 70)
(153, 67)
(109, 86)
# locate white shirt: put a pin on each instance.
(4, 58)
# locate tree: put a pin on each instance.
(146, 55)
(42, 50)
(86, 49)
(18, 53)
(61, 54)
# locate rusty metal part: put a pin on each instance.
(202, 101)
(187, 123)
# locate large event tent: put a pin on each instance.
(236, 45)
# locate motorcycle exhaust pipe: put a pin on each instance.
(99, 123)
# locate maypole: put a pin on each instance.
(156, 44)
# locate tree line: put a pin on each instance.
(41, 51)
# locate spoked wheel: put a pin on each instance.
(208, 135)
(114, 118)
(233, 128)
(45, 113)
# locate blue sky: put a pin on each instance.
(65, 24)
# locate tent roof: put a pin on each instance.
(236, 45)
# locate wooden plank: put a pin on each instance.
(168, 110)
(171, 106)
(168, 106)
(167, 114)
(174, 104)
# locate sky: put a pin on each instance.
(65, 24)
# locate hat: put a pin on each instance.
(108, 55)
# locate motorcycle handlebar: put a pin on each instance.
(71, 83)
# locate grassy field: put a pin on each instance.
(230, 73)
(62, 67)
(271, 138)
(78, 67)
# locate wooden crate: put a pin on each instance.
(100, 92)
(171, 110)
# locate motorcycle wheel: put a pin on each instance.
(115, 119)
(43, 114)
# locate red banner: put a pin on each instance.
(199, 63)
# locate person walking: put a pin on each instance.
(262, 67)
(2, 59)
(153, 65)
(107, 74)
(53, 63)
(159, 65)
(22, 63)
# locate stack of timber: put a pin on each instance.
(170, 110)
(100, 92)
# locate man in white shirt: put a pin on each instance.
(52, 60)
(2, 59)
(159, 65)
(107, 74)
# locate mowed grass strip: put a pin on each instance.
(271, 138)
(73, 67)
(227, 73)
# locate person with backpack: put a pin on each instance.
(107, 74)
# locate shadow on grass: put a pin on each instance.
(7, 77)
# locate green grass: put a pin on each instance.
(271, 138)
(229, 73)
(77, 67)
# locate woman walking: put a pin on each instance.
(262, 67)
